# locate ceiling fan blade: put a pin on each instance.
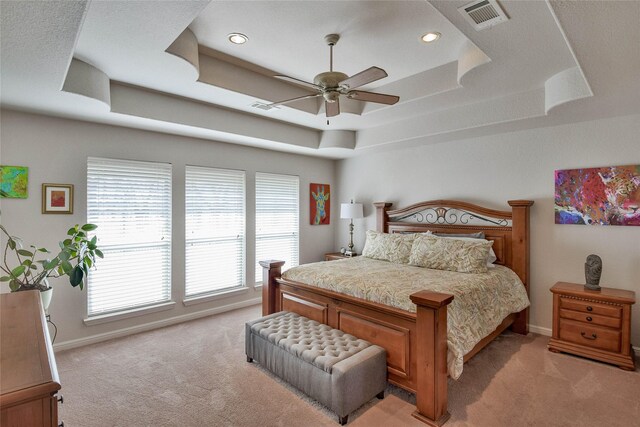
(298, 98)
(298, 82)
(380, 98)
(363, 77)
(332, 108)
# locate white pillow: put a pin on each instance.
(492, 255)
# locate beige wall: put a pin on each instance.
(56, 151)
(491, 170)
(485, 170)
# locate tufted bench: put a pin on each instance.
(339, 370)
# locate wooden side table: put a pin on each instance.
(332, 256)
(593, 324)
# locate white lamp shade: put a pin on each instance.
(351, 210)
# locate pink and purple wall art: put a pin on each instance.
(598, 196)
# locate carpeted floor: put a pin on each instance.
(195, 374)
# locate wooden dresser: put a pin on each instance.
(593, 324)
(28, 373)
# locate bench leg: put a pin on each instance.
(249, 359)
(380, 395)
(343, 420)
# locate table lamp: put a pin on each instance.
(351, 211)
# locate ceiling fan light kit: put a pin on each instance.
(331, 84)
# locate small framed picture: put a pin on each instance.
(57, 198)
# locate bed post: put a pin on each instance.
(271, 270)
(381, 216)
(520, 255)
(431, 357)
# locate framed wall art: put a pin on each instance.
(598, 196)
(319, 204)
(14, 182)
(57, 198)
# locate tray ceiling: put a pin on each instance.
(168, 66)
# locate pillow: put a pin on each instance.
(479, 235)
(461, 255)
(388, 247)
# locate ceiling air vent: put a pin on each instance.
(483, 14)
(262, 106)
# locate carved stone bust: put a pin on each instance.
(592, 272)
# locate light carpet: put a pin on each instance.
(196, 374)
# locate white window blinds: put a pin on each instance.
(215, 229)
(130, 201)
(277, 218)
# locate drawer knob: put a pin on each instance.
(61, 424)
(589, 319)
(61, 398)
(589, 308)
(592, 337)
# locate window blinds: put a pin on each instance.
(277, 219)
(215, 229)
(130, 201)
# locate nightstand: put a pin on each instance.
(593, 324)
(334, 256)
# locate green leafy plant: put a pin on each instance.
(76, 257)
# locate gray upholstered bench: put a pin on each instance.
(339, 370)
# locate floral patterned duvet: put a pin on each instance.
(481, 301)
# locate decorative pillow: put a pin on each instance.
(479, 235)
(388, 247)
(461, 255)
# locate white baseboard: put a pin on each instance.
(540, 330)
(66, 345)
(547, 332)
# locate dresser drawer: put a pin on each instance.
(590, 335)
(591, 307)
(592, 319)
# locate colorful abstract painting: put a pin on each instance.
(14, 182)
(598, 196)
(320, 206)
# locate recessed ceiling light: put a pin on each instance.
(237, 38)
(430, 37)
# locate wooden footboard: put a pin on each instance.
(416, 343)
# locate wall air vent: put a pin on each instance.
(483, 14)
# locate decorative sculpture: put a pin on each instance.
(592, 272)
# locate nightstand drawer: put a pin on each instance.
(591, 319)
(591, 307)
(590, 335)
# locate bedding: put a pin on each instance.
(453, 254)
(388, 247)
(481, 301)
(469, 236)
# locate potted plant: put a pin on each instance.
(31, 268)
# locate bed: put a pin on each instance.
(414, 336)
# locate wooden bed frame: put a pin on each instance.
(416, 343)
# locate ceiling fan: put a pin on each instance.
(331, 84)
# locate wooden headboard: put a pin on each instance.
(509, 230)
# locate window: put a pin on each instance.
(130, 201)
(277, 217)
(215, 229)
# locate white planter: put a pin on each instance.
(45, 296)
